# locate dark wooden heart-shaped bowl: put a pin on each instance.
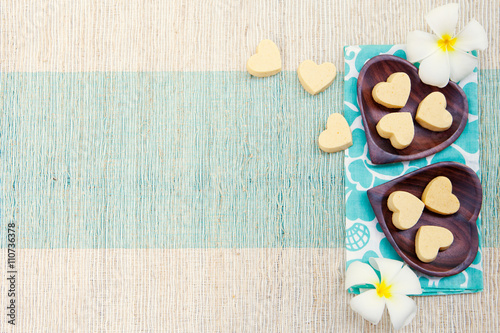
(425, 142)
(463, 250)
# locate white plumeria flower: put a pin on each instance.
(396, 281)
(444, 56)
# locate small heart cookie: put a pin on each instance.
(337, 135)
(432, 113)
(438, 198)
(397, 127)
(430, 240)
(266, 61)
(316, 78)
(394, 93)
(407, 209)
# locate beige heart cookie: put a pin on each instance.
(266, 61)
(438, 198)
(430, 240)
(394, 93)
(407, 209)
(316, 78)
(432, 113)
(397, 127)
(337, 135)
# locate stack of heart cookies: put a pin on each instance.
(398, 127)
(407, 209)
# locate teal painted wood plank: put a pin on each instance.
(489, 136)
(178, 160)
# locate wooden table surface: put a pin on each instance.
(156, 187)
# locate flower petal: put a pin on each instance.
(472, 37)
(435, 69)
(461, 64)
(388, 268)
(360, 273)
(406, 282)
(402, 310)
(443, 20)
(420, 45)
(369, 305)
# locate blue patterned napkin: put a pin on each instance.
(364, 237)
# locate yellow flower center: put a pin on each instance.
(446, 42)
(383, 290)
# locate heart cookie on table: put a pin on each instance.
(406, 209)
(397, 127)
(438, 198)
(266, 61)
(316, 78)
(394, 93)
(432, 113)
(337, 135)
(430, 240)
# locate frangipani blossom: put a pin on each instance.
(395, 282)
(445, 56)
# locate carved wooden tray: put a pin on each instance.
(425, 142)
(463, 250)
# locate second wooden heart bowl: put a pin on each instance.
(462, 224)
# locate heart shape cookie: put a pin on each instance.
(406, 209)
(430, 240)
(397, 127)
(394, 93)
(432, 113)
(438, 198)
(337, 135)
(316, 78)
(266, 61)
